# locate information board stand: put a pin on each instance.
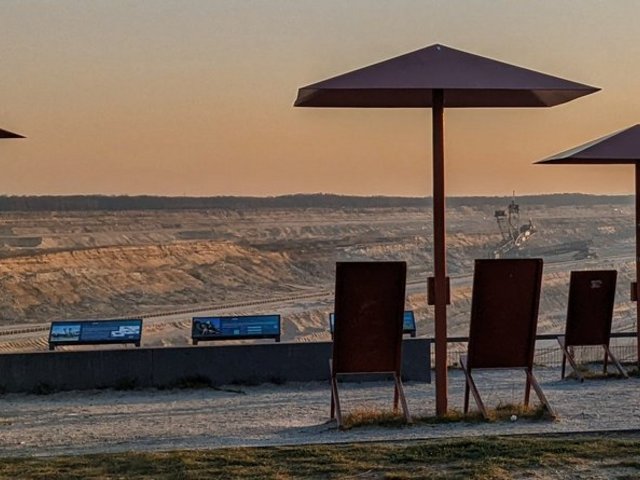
(235, 328)
(95, 332)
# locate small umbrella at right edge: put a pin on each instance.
(618, 148)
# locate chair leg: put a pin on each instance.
(606, 361)
(466, 386)
(539, 393)
(560, 340)
(336, 401)
(470, 385)
(569, 356)
(615, 361)
(395, 397)
(403, 400)
(333, 405)
(527, 391)
(466, 398)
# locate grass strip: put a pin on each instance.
(475, 458)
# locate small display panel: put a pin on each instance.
(234, 328)
(64, 332)
(408, 323)
(95, 332)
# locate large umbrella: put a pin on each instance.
(437, 77)
(622, 147)
(8, 134)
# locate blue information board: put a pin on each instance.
(235, 328)
(92, 332)
(408, 323)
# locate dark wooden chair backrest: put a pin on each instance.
(504, 313)
(590, 309)
(369, 307)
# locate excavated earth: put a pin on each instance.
(163, 264)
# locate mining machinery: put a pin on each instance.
(516, 239)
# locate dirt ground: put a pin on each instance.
(295, 413)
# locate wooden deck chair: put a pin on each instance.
(589, 313)
(504, 318)
(369, 306)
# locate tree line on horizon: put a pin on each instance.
(36, 203)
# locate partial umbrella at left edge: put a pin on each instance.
(8, 134)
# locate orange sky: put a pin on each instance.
(195, 96)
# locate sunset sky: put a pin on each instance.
(194, 97)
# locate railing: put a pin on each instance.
(548, 352)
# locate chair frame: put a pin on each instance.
(398, 396)
(384, 282)
(470, 386)
(568, 354)
(502, 362)
(596, 316)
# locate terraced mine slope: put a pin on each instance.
(164, 264)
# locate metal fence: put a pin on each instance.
(548, 352)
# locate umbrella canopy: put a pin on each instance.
(469, 81)
(437, 77)
(7, 134)
(621, 147)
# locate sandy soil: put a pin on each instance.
(112, 421)
(93, 265)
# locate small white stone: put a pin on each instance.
(514, 418)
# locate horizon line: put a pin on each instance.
(288, 195)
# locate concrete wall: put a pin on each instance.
(166, 367)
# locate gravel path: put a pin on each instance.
(295, 413)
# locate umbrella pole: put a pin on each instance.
(637, 167)
(439, 253)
